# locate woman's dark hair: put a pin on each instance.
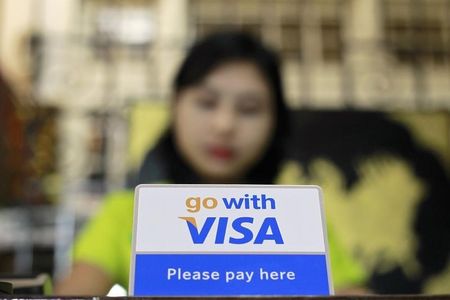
(165, 163)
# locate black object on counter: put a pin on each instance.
(6, 288)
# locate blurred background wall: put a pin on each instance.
(84, 71)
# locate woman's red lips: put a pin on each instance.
(221, 152)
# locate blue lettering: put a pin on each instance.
(269, 230)
(221, 230)
(199, 237)
(264, 201)
(263, 234)
(233, 202)
(247, 234)
(249, 202)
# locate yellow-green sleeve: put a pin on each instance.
(106, 239)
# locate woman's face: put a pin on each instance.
(224, 125)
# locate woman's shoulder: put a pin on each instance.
(118, 202)
(120, 196)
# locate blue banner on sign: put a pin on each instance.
(230, 274)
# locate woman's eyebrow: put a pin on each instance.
(208, 89)
(251, 96)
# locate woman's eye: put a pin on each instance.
(249, 109)
(250, 106)
(206, 103)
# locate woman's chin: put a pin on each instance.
(220, 176)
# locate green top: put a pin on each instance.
(106, 243)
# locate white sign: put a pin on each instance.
(229, 240)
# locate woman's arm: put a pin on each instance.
(84, 279)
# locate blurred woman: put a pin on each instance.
(228, 123)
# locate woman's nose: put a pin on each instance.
(224, 120)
